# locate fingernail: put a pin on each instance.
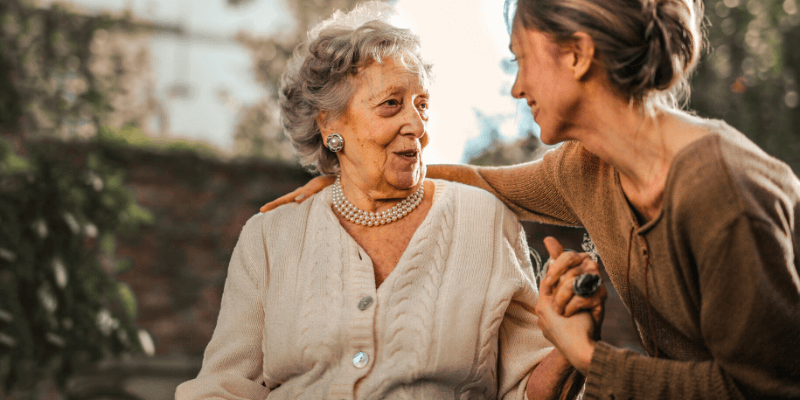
(300, 197)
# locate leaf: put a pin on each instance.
(108, 244)
(123, 266)
(128, 300)
(139, 215)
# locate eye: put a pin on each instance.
(423, 105)
(391, 103)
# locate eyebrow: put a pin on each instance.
(383, 93)
(392, 90)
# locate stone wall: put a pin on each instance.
(179, 263)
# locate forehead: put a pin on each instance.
(516, 44)
(532, 41)
(388, 76)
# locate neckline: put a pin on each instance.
(441, 190)
(678, 159)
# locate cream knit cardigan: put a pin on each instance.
(454, 319)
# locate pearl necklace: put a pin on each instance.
(358, 216)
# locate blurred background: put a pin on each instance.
(137, 137)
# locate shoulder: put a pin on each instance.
(755, 174)
(725, 172)
(576, 163)
(486, 212)
(472, 201)
(279, 225)
(291, 212)
(480, 216)
(724, 187)
(581, 175)
(461, 192)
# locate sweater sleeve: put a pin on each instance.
(533, 190)
(232, 364)
(521, 343)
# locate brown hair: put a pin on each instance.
(649, 48)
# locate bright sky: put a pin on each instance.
(466, 41)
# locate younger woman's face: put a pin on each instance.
(546, 82)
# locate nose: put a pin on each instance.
(416, 123)
(516, 89)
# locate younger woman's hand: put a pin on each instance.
(301, 193)
(560, 278)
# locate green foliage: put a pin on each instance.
(10, 109)
(131, 136)
(65, 74)
(61, 306)
(749, 78)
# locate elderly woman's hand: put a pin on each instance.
(561, 314)
(571, 335)
(301, 193)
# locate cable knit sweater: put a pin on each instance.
(453, 320)
(714, 278)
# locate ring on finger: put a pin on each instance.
(586, 285)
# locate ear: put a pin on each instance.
(582, 53)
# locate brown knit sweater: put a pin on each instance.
(713, 279)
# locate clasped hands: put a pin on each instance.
(572, 323)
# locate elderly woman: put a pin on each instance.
(698, 227)
(385, 285)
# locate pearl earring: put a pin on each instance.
(335, 142)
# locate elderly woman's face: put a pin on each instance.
(384, 129)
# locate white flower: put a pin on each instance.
(90, 230)
(105, 322)
(146, 341)
(95, 181)
(40, 227)
(72, 223)
(60, 273)
(46, 297)
(7, 255)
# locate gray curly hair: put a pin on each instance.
(319, 75)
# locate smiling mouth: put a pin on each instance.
(410, 154)
(534, 109)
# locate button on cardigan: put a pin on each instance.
(301, 317)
